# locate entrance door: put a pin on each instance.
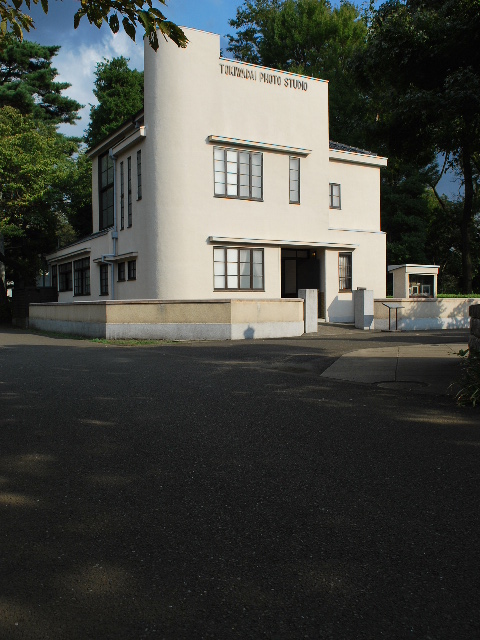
(300, 270)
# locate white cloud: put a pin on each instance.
(77, 64)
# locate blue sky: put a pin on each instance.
(82, 48)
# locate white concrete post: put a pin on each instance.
(363, 301)
(310, 309)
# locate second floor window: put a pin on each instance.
(335, 202)
(238, 174)
(129, 191)
(139, 175)
(294, 181)
(122, 197)
(105, 182)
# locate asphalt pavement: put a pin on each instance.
(319, 487)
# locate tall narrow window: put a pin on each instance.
(139, 175)
(105, 183)
(54, 277)
(122, 197)
(121, 271)
(344, 271)
(65, 276)
(104, 279)
(237, 268)
(81, 277)
(335, 202)
(132, 269)
(238, 174)
(294, 180)
(129, 190)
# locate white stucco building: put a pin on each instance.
(226, 187)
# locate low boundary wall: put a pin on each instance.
(422, 314)
(240, 319)
(474, 341)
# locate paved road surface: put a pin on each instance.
(219, 490)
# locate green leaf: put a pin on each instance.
(76, 19)
(114, 23)
(44, 6)
(129, 28)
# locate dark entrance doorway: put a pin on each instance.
(300, 270)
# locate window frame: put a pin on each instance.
(122, 196)
(105, 213)
(55, 277)
(332, 195)
(225, 161)
(139, 174)
(290, 169)
(129, 192)
(81, 282)
(132, 269)
(345, 272)
(120, 271)
(238, 273)
(104, 279)
(65, 278)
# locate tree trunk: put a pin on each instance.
(467, 221)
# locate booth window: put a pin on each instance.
(104, 279)
(344, 271)
(105, 181)
(81, 277)
(65, 276)
(294, 181)
(238, 174)
(237, 268)
(335, 201)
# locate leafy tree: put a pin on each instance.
(27, 82)
(119, 91)
(309, 37)
(132, 14)
(75, 184)
(422, 71)
(34, 161)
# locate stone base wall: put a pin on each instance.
(425, 314)
(474, 341)
(173, 320)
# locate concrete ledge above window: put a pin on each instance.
(266, 146)
(280, 243)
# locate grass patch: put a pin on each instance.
(458, 295)
(470, 380)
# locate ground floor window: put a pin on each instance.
(104, 279)
(81, 271)
(132, 269)
(344, 271)
(54, 277)
(65, 276)
(121, 271)
(237, 268)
